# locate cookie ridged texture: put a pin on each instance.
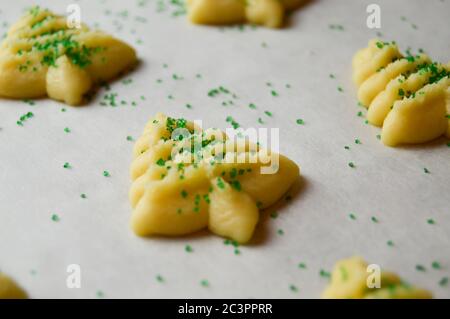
(406, 95)
(176, 192)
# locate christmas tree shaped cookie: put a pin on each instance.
(186, 179)
(270, 13)
(408, 96)
(41, 56)
(352, 279)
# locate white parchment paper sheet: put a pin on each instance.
(387, 183)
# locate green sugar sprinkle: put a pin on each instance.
(347, 147)
(67, 130)
(340, 89)
(188, 248)
(301, 265)
(100, 294)
(332, 76)
(204, 283)
(374, 219)
(352, 165)
(420, 268)
(274, 93)
(274, 215)
(293, 288)
(161, 162)
(67, 165)
(184, 194)
(130, 138)
(443, 282)
(55, 218)
(300, 121)
(431, 221)
(390, 243)
(280, 232)
(436, 265)
(352, 216)
(83, 196)
(426, 171)
(358, 141)
(106, 174)
(159, 278)
(324, 274)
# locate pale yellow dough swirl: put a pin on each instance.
(408, 96)
(269, 13)
(173, 197)
(41, 56)
(349, 281)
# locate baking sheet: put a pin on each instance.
(313, 228)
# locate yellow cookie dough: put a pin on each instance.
(269, 13)
(408, 96)
(349, 281)
(42, 56)
(179, 189)
(9, 289)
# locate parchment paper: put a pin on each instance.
(411, 207)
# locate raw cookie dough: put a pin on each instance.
(349, 281)
(41, 56)
(174, 194)
(9, 289)
(269, 13)
(408, 96)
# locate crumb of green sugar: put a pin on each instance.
(204, 283)
(67, 130)
(352, 216)
(352, 165)
(274, 215)
(280, 232)
(301, 265)
(63, 109)
(436, 265)
(426, 171)
(324, 274)
(188, 248)
(100, 294)
(252, 106)
(443, 282)
(268, 113)
(198, 76)
(390, 243)
(293, 288)
(332, 76)
(274, 93)
(358, 141)
(360, 114)
(129, 138)
(431, 221)
(340, 89)
(55, 218)
(378, 136)
(347, 147)
(421, 268)
(237, 251)
(159, 278)
(374, 219)
(106, 174)
(83, 196)
(264, 45)
(67, 165)
(300, 121)
(188, 106)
